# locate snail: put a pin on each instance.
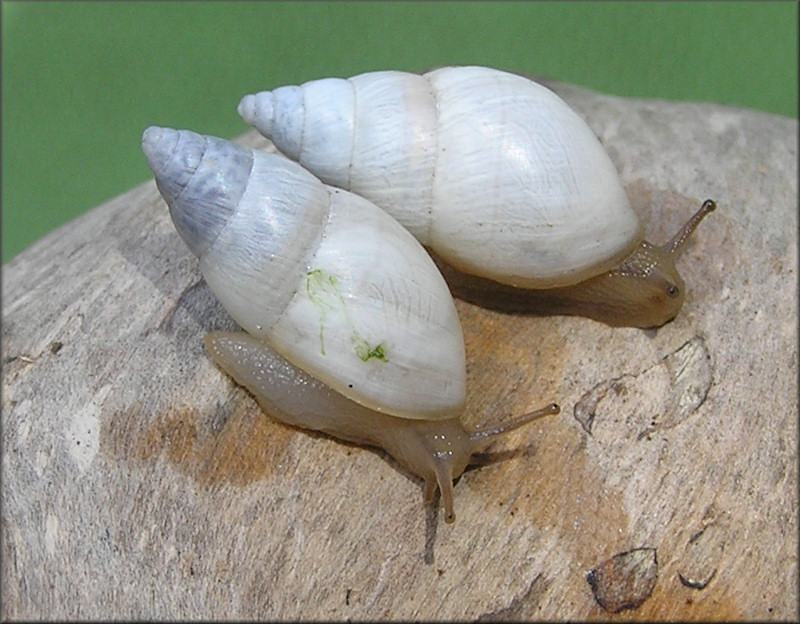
(350, 329)
(494, 173)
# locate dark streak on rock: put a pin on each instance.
(693, 584)
(522, 607)
(586, 408)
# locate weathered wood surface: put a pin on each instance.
(139, 482)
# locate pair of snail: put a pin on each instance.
(350, 327)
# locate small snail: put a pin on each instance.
(351, 329)
(494, 173)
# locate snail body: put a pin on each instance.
(490, 170)
(333, 294)
(438, 451)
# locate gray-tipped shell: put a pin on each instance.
(252, 218)
(201, 178)
(325, 277)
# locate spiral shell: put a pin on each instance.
(330, 281)
(491, 170)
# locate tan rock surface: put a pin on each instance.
(139, 482)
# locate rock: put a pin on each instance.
(140, 482)
(626, 580)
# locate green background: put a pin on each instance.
(81, 81)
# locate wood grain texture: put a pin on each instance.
(140, 482)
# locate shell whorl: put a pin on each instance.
(491, 170)
(332, 282)
(181, 153)
(217, 192)
(385, 152)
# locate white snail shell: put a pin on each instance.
(350, 328)
(329, 280)
(491, 170)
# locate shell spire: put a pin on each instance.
(257, 111)
(200, 214)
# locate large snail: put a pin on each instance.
(351, 329)
(494, 173)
